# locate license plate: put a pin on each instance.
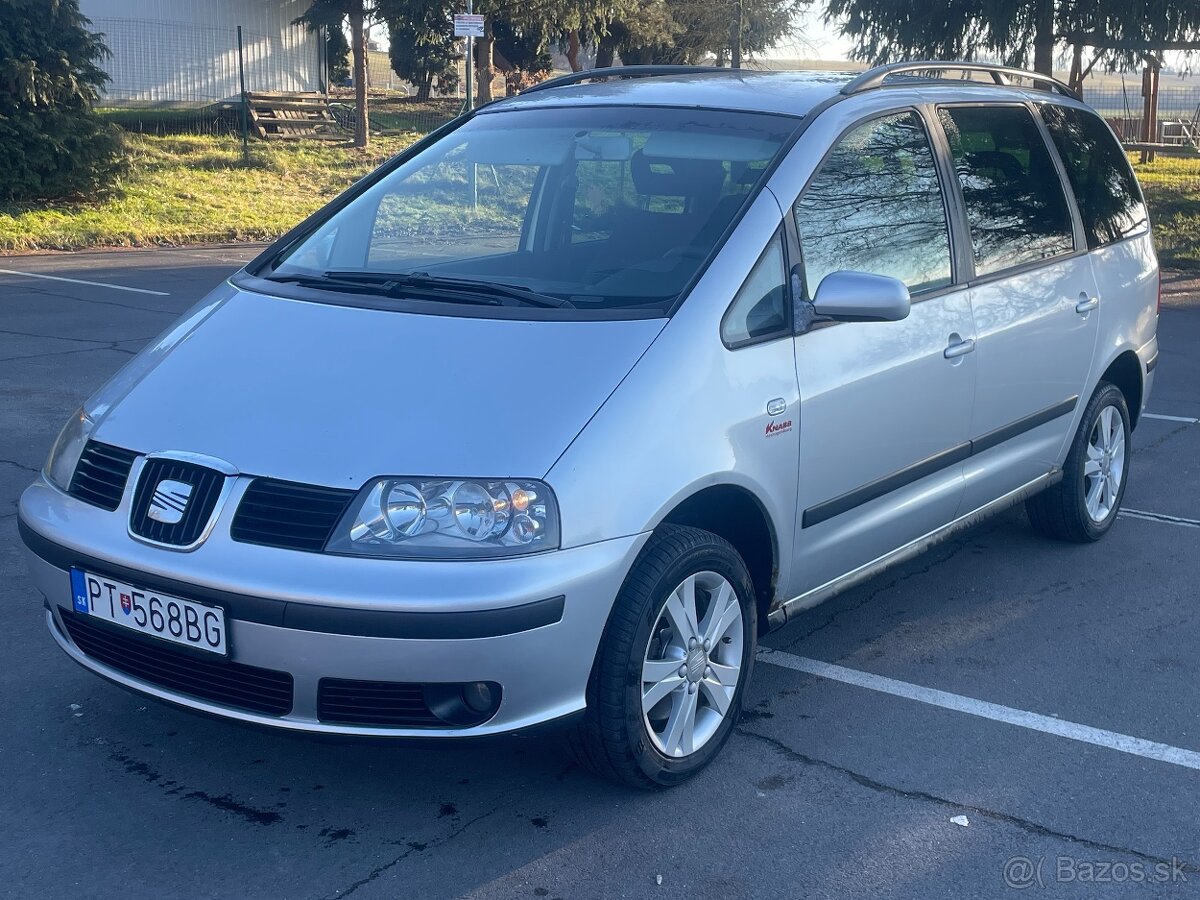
(168, 618)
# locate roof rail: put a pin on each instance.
(622, 72)
(875, 78)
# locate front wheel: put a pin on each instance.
(1083, 506)
(666, 689)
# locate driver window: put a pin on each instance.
(875, 206)
(760, 309)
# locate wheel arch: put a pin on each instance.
(1125, 371)
(737, 515)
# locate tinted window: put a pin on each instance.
(759, 310)
(1014, 198)
(1109, 200)
(875, 206)
(603, 207)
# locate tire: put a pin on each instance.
(1064, 511)
(615, 739)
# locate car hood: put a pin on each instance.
(335, 395)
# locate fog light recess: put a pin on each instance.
(464, 704)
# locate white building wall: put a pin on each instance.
(185, 51)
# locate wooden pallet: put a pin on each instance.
(292, 116)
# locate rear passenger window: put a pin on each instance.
(1014, 199)
(1110, 202)
(875, 206)
(760, 308)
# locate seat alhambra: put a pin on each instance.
(550, 418)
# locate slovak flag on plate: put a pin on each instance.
(126, 604)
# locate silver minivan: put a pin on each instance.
(547, 420)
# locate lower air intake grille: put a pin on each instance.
(157, 662)
(374, 703)
(174, 501)
(101, 474)
(288, 515)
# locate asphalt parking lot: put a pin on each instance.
(1045, 692)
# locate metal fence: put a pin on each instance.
(1178, 120)
(170, 77)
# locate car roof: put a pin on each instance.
(789, 93)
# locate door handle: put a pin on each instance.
(1086, 304)
(960, 348)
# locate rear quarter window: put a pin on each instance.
(1110, 201)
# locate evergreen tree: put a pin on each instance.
(423, 46)
(337, 55)
(52, 143)
(1016, 31)
(690, 31)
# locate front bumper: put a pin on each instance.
(531, 624)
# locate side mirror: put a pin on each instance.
(860, 297)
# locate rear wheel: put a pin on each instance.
(1083, 506)
(666, 689)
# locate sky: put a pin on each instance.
(814, 40)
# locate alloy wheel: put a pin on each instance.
(1104, 468)
(692, 664)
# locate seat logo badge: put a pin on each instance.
(169, 501)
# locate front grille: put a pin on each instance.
(374, 703)
(285, 514)
(101, 474)
(206, 485)
(157, 662)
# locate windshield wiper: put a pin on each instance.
(424, 281)
(351, 282)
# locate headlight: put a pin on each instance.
(68, 447)
(449, 519)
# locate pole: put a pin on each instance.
(1149, 104)
(735, 49)
(322, 62)
(245, 102)
(470, 61)
(472, 179)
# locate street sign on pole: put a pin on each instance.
(468, 25)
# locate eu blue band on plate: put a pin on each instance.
(79, 591)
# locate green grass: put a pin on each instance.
(1172, 188)
(191, 189)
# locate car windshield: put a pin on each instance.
(596, 208)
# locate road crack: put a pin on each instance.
(417, 848)
(109, 346)
(21, 466)
(97, 302)
(926, 797)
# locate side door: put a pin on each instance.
(1033, 295)
(884, 407)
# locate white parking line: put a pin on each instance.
(1187, 419)
(115, 287)
(1159, 517)
(1111, 740)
